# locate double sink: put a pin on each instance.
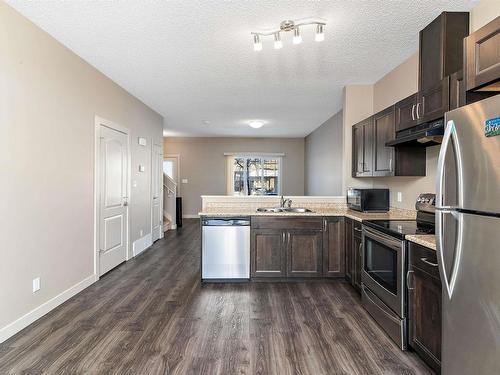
(296, 210)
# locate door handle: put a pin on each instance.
(408, 274)
(429, 263)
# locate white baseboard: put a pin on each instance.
(190, 216)
(142, 244)
(17, 325)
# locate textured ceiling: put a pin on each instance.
(193, 60)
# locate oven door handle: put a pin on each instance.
(382, 238)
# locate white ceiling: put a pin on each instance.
(193, 60)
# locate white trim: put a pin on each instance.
(257, 154)
(17, 325)
(190, 216)
(98, 122)
(142, 244)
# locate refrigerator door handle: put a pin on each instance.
(449, 282)
(450, 136)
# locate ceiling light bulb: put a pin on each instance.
(257, 44)
(297, 39)
(320, 35)
(256, 124)
(277, 41)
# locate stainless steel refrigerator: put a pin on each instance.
(468, 238)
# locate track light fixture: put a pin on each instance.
(286, 26)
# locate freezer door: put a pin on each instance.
(469, 159)
(471, 313)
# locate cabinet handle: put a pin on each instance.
(324, 225)
(283, 237)
(359, 249)
(418, 106)
(358, 230)
(429, 263)
(408, 280)
(413, 112)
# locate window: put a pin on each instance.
(254, 175)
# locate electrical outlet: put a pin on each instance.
(36, 285)
(184, 180)
(141, 232)
(400, 196)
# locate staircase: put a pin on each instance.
(169, 202)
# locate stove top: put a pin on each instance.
(400, 228)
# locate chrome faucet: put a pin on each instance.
(287, 202)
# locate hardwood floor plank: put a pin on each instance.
(152, 315)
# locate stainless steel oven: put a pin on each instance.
(383, 284)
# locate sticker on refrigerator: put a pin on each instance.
(492, 127)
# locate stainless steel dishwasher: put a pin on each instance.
(225, 249)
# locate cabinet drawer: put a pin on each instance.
(424, 258)
(280, 222)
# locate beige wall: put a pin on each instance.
(48, 100)
(484, 12)
(358, 105)
(323, 158)
(202, 162)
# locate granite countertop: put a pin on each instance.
(355, 215)
(427, 240)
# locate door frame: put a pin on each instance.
(160, 180)
(98, 122)
(178, 157)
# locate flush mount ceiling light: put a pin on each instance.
(287, 26)
(256, 124)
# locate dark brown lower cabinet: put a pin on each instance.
(424, 305)
(353, 251)
(297, 247)
(304, 253)
(268, 253)
(333, 247)
(349, 259)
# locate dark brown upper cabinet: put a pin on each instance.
(405, 113)
(362, 148)
(482, 58)
(457, 90)
(441, 48)
(383, 131)
(372, 158)
(440, 55)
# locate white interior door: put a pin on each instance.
(157, 192)
(113, 198)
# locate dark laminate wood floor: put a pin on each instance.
(152, 316)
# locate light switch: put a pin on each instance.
(184, 180)
(400, 196)
(142, 168)
(36, 285)
(143, 141)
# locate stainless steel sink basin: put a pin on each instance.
(283, 209)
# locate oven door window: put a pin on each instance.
(381, 264)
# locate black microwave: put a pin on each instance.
(368, 200)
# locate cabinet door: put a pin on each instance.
(333, 247)
(457, 90)
(383, 131)
(431, 54)
(349, 258)
(405, 115)
(434, 102)
(268, 253)
(424, 299)
(362, 148)
(357, 249)
(304, 253)
(482, 57)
